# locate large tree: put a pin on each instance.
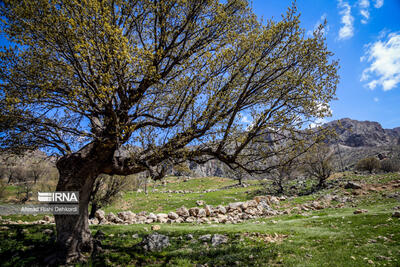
(173, 79)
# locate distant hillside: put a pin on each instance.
(355, 133)
(355, 140)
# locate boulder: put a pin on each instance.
(126, 216)
(111, 217)
(100, 214)
(220, 209)
(173, 216)
(235, 206)
(183, 212)
(259, 199)
(155, 242)
(152, 217)
(194, 211)
(222, 218)
(155, 227)
(208, 210)
(200, 202)
(94, 221)
(205, 238)
(190, 219)
(274, 200)
(202, 213)
(353, 185)
(218, 240)
(180, 220)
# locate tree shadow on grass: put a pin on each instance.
(25, 245)
(186, 252)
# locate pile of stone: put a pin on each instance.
(235, 212)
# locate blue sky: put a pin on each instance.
(365, 37)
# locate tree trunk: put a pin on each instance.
(93, 210)
(78, 172)
(73, 234)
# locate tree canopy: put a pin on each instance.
(159, 75)
(120, 87)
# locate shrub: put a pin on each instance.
(368, 164)
(390, 165)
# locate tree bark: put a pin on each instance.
(93, 210)
(78, 172)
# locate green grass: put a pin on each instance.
(166, 202)
(328, 237)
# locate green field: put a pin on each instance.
(327, 237)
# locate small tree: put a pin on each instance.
(317, 163)
(390, 165)
(105, 190)
(368, 164)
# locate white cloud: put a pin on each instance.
(320, 21)
(376, 99)
(365, 14)
(378, 3)
(384, 59)
(364, 4)
(347, 30)
(318, 122)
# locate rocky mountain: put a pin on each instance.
(355, 140)
(355, 133)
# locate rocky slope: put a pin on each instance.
(355, 140)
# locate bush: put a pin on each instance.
(390, 165)
(368, 164)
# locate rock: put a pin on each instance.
(189, 236)
(194, 211)
(111, 217)
(142, 213)
(47, 231)
(127, 216)
(173, 216)
(218, 240)
(274, 200)
(202, 213)
(359, 211)
(100, 214)
(94, 221)
(259, 199)
(155, 227)
(183, 212)
(208, 210)
(47, 218)
(205, 238)
(316, 205)
(180, 220)
(162, 217)
(396, 214)
(235, 206)
(200, 202)
(222, 218)
(220, 209)
(152, 216)
(190, 219)
(155, 242)
(353, 185)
